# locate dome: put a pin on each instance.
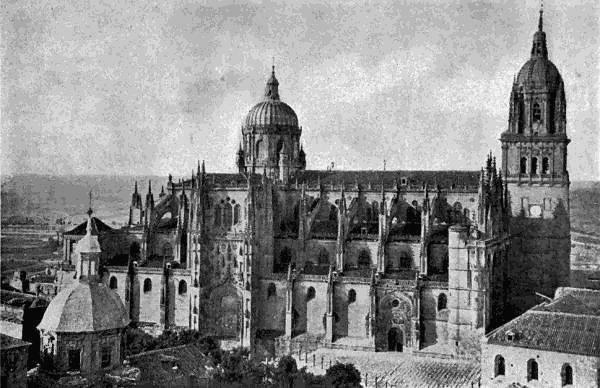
(271, 111)
(84, 307)
(539, 72)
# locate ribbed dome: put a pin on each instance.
(539, 72)
(271, 111)
(84, 307)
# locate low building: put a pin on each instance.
(13, 362)
(554, 344)
(82, 328)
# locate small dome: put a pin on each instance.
(539, 72)
(84, 307)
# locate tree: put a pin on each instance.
(343, 375)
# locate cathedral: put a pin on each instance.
(281, 255)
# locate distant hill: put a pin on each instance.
(46, 198)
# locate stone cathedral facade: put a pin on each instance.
(278, 254)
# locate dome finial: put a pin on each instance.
(272, 89)
(541, 21)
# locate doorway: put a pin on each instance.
(395, 340)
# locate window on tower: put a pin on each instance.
(534, 166)
(523, 166)
(537, 112)
(545, 166)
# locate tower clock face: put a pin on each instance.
(535, 211)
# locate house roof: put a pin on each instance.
(568, 324)
(8, 342)
(98, 227)
(173, 363)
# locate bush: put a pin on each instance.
(343, 375)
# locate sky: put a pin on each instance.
(150, 87)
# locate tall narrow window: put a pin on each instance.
(74, 359)
(545, 166)
(534, 166)
(499, 366)
(323, 257)
(566, 375)
(310, 293)
(351, 296)
(532, 370)
(537, 112)
(217, 215)
(442, 302)
(236, 214)
(364, 259)
(147, 286)
(271, 290)
(227, 216)
(182, 289)
(106, 353)
(113, 283)
(523, 166)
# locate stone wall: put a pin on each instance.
(586, 369)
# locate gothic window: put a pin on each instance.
(534, 166)
(113, 283)
(566, 375)
(310, 293)
(364, 259)
(236, 214)
(523, 166)
(227, 215)
(537, 112)
(499, 366)
(532, 370)
(182, 289)
(147, 286)
(323, 257)
(217, 215)
(545, 166)
(271, 290)
(351, 296)
(442, 302)
(106, 353)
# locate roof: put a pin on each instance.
(16, 298)
(98, 227)
(539, 72)
(271, 113)
(8, 342)
(84, 307)
(568, 324)
(158, 365)
(445, 179)
(448, 179)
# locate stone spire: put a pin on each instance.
(272, 88)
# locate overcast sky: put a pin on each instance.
(98, 87)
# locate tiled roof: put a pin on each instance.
(84, 307)
(98, 227)
(8, 342)
(568, 324)
(172, 363)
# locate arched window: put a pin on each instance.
(545, 166)
(534, 166)
(532, 370)
(537, 112)
(499, 366)
(467, 214)
(323, 257)
(364, 259)
(310, 293)
(442, 302)
(258, 149)
(566, 375)
(217, 215)
(271, 290)
(523, 166)
(236, 214)
(182, 289)
(113, 283)
(227, 215)
(147, 285)
(351, 296)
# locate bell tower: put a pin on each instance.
(534, 162)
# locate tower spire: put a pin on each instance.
(541, 21)
(272, 88)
